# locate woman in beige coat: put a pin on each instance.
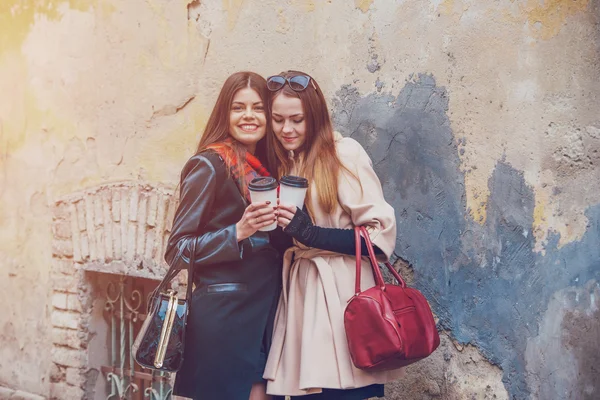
(309, 353)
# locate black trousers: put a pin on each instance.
(342, 394)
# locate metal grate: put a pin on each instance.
(124, 311)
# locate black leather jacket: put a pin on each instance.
(233, 306)
(210, 205)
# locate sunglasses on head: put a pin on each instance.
(297, 83)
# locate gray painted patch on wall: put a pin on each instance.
(486, 283)
(563, 358)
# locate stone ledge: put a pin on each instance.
(10, 394)
(138, 269)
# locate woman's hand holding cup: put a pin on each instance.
(285, 213)
(292, 191)
(256, 216)
(263, 191)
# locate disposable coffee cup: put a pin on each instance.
(292, 190)
(261, 190)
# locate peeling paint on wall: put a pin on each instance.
(233, 8)
(562, 359)
(363, 5)
(18, 16)
(547, 18)
(486, 282)
(453, 372)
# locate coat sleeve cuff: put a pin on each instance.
(254, 243)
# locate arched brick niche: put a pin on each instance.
(118, 228)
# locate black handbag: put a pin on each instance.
(160, 343)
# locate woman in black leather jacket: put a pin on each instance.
(237, 269)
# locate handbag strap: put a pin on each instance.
(173, 272)
(358, 246)
(190, 275)
(374, 263)
(389, 266)
(358, 258)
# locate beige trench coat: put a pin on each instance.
(309, 350)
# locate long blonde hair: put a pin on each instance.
(320, 164)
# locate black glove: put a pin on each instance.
(341, 241)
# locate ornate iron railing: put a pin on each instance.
(125, 310)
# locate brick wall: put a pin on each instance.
(119, 229)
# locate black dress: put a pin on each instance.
(237, 286)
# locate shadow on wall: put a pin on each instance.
(485, 282)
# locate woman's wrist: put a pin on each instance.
(239, 234)
(301, 228)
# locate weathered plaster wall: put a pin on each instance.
(487, 283)
(482, 119)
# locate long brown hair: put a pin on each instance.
(217, 127)
(321, 163)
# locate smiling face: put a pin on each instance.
(289, 122)
(247, 118)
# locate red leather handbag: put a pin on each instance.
(387, 326)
